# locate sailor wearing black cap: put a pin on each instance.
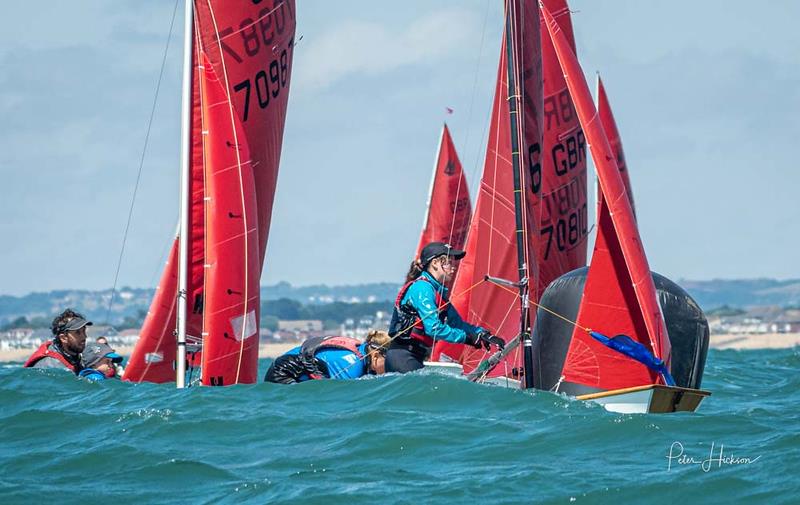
(69, 340)
(423, 314)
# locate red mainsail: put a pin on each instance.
(614, 140)
(233, 264)
(619, 296)
(246, 53)
(449, 207)
(554, 166)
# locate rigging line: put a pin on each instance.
(469, 122)
(141, 161)
(160, 265)
(477, 73)
(568, 320)
(502, 323)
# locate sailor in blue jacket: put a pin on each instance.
(423, 313)
(330, 357)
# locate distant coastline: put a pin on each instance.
(740, 342)
(264, 351)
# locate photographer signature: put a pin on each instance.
(716, 457)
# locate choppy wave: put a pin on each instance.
(419, 438)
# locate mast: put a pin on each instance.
(519, 211)
(183, 246)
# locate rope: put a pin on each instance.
(141, 163)
(552, 312)
(469, 127)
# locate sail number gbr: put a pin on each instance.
(267, 84)
(567, 232)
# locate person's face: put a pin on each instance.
(106, 367)
(442, 268)
(378, 363)
(74, 341)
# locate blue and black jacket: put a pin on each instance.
(423, 313)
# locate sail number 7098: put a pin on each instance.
(267, 83)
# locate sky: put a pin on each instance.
(705, 95)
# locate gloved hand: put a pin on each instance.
(485, 339)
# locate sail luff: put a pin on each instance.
(614, 138)
(614, 192)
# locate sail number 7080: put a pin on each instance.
(568, 231)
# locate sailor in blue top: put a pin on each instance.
(100, 362)
(423, 313)
(331, 358)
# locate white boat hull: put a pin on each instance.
(648, 399)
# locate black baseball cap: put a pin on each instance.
(436, 249)
(74, 324)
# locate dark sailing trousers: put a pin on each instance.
(403, 358)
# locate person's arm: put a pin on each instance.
(454, 319)
(423, 298)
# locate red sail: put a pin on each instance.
(154, 355)
(230, 315)
(556, 220)
(449, 206)
(619, 296)
(614, 140)
(249, 47)
(153, 358)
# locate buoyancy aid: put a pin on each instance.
(406, 324)
(44, 352)
(313, 345)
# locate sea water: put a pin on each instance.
(418, 438)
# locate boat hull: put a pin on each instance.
(647, 399)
